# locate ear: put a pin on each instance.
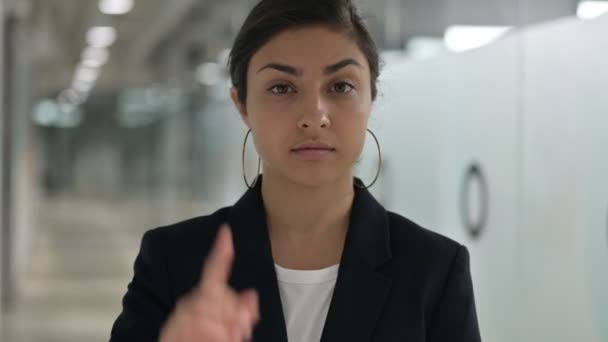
(239, 106)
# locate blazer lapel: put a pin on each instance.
(360, 291)
(254, 266)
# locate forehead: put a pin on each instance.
(308, 47)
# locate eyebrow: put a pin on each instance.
(342, 64)
(330, 69)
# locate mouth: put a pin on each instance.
(313, 150)
(314, 146)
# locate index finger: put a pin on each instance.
(218, 265)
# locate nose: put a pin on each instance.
(315, 114)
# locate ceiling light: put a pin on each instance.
(45, 113)
(94, 57)
(101, 36)
(419, 48)
(462, 38)
(82, 87)
(69, 115)
(209, 74)
(85, 74)
(70, 96)
(592, 9)
(115, 7)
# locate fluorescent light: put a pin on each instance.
(94, 57)
(209, 74)
(45, 113)
(101, 36)
(462, 38)
(115, 7)
(69, 115)
(592, 9)
(86, 74)
(419, 48)
(65, 107)
(70, 96)
(82, 87)
(84, 80)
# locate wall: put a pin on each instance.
(19, 148)
(504, 149)
(2, 165)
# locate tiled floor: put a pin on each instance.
(80, 266)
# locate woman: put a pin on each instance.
(306, 254)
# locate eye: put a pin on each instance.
(342, 87)
(281, 89)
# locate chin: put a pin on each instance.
(308, 178)
(310, 175)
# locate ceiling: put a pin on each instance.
(160, 39)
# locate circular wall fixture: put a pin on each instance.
(474, 182)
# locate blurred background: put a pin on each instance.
(492, 116)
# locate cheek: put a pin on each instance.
(351, 130)
(270, 130)
(354, 113)
(358, 142)
(262, 114)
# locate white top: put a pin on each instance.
(306, 296)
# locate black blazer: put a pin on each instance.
(396, 281)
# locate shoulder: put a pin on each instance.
(182, 247)
(430, 255)
(195, 230)
(405, 232)
(435, 270)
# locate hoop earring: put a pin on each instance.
(250, 186)
(379, 162)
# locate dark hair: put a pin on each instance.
(271, 17)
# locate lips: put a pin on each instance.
(313, 151)
(313, 146)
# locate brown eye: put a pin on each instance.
(281, 89)
(342, 87)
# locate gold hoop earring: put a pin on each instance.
(250, 186)
(379, 162)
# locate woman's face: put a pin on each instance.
(308, 104)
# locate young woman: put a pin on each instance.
(307, 254)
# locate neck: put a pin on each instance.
(304, 218)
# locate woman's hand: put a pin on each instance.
(213, 312)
